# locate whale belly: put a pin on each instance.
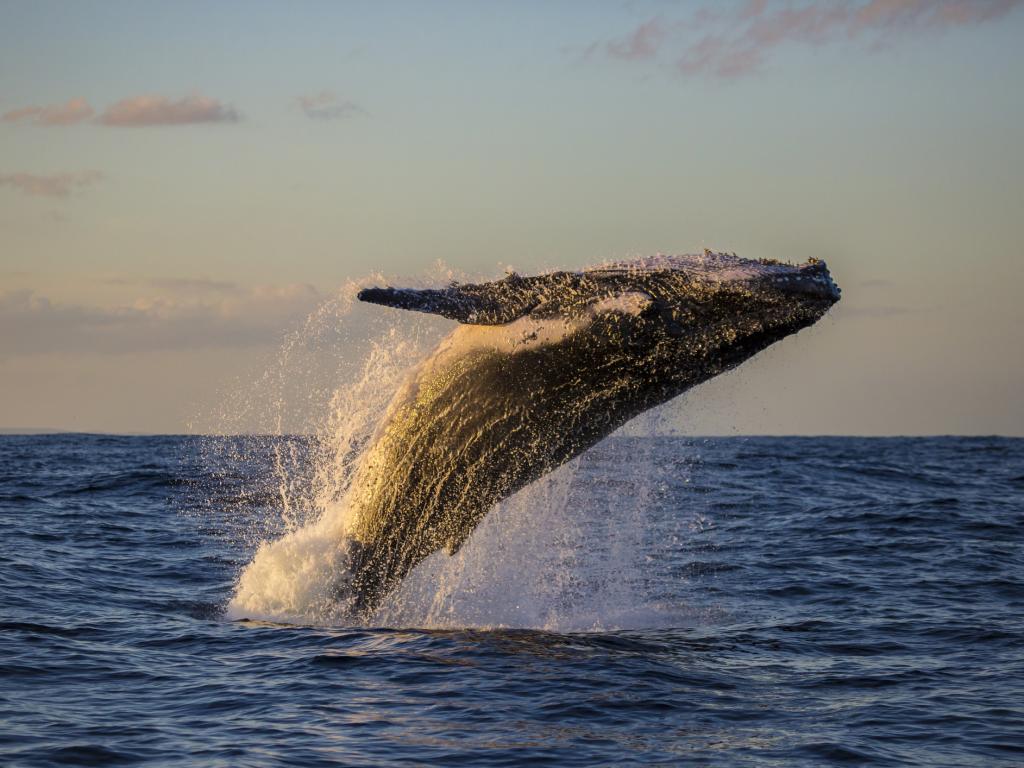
(478, 421)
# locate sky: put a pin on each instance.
(181, 184)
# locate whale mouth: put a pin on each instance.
(812, 279)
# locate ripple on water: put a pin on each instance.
(793, 602)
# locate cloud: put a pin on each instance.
(74, 111)
(189, 285)
(159, 110)
(730, 45)
(34, 325)
(327, 105)
(134, 111)
(56, 185)
(195, 285)
(642, 43)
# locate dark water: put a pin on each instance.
(860, 602)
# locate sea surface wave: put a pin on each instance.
(801, 601)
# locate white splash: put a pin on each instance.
(300, 576)
(547, 557)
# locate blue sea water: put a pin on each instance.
(838, 601)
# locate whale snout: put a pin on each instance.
(811, 280)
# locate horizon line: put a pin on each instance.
(55, 432)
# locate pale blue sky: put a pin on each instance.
(534, 135)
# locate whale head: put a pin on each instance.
(708, 294)
(683, 319)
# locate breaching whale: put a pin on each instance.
(540, 369)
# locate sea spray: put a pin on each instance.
(538, 559)
(301, 575)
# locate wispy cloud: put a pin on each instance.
(74, 111)
(160, 110)
(55, 185)
(327, 105)
(254, 316)
(737, 43)
(643, 42)
(195, 285)
(134, 111)
(186, 285)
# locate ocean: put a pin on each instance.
(661, 601)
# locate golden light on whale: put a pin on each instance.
(540, 369)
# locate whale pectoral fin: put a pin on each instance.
(495, 303)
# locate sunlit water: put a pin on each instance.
(761, 601)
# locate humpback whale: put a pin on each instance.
(540, 369)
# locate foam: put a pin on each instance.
(534, 561)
